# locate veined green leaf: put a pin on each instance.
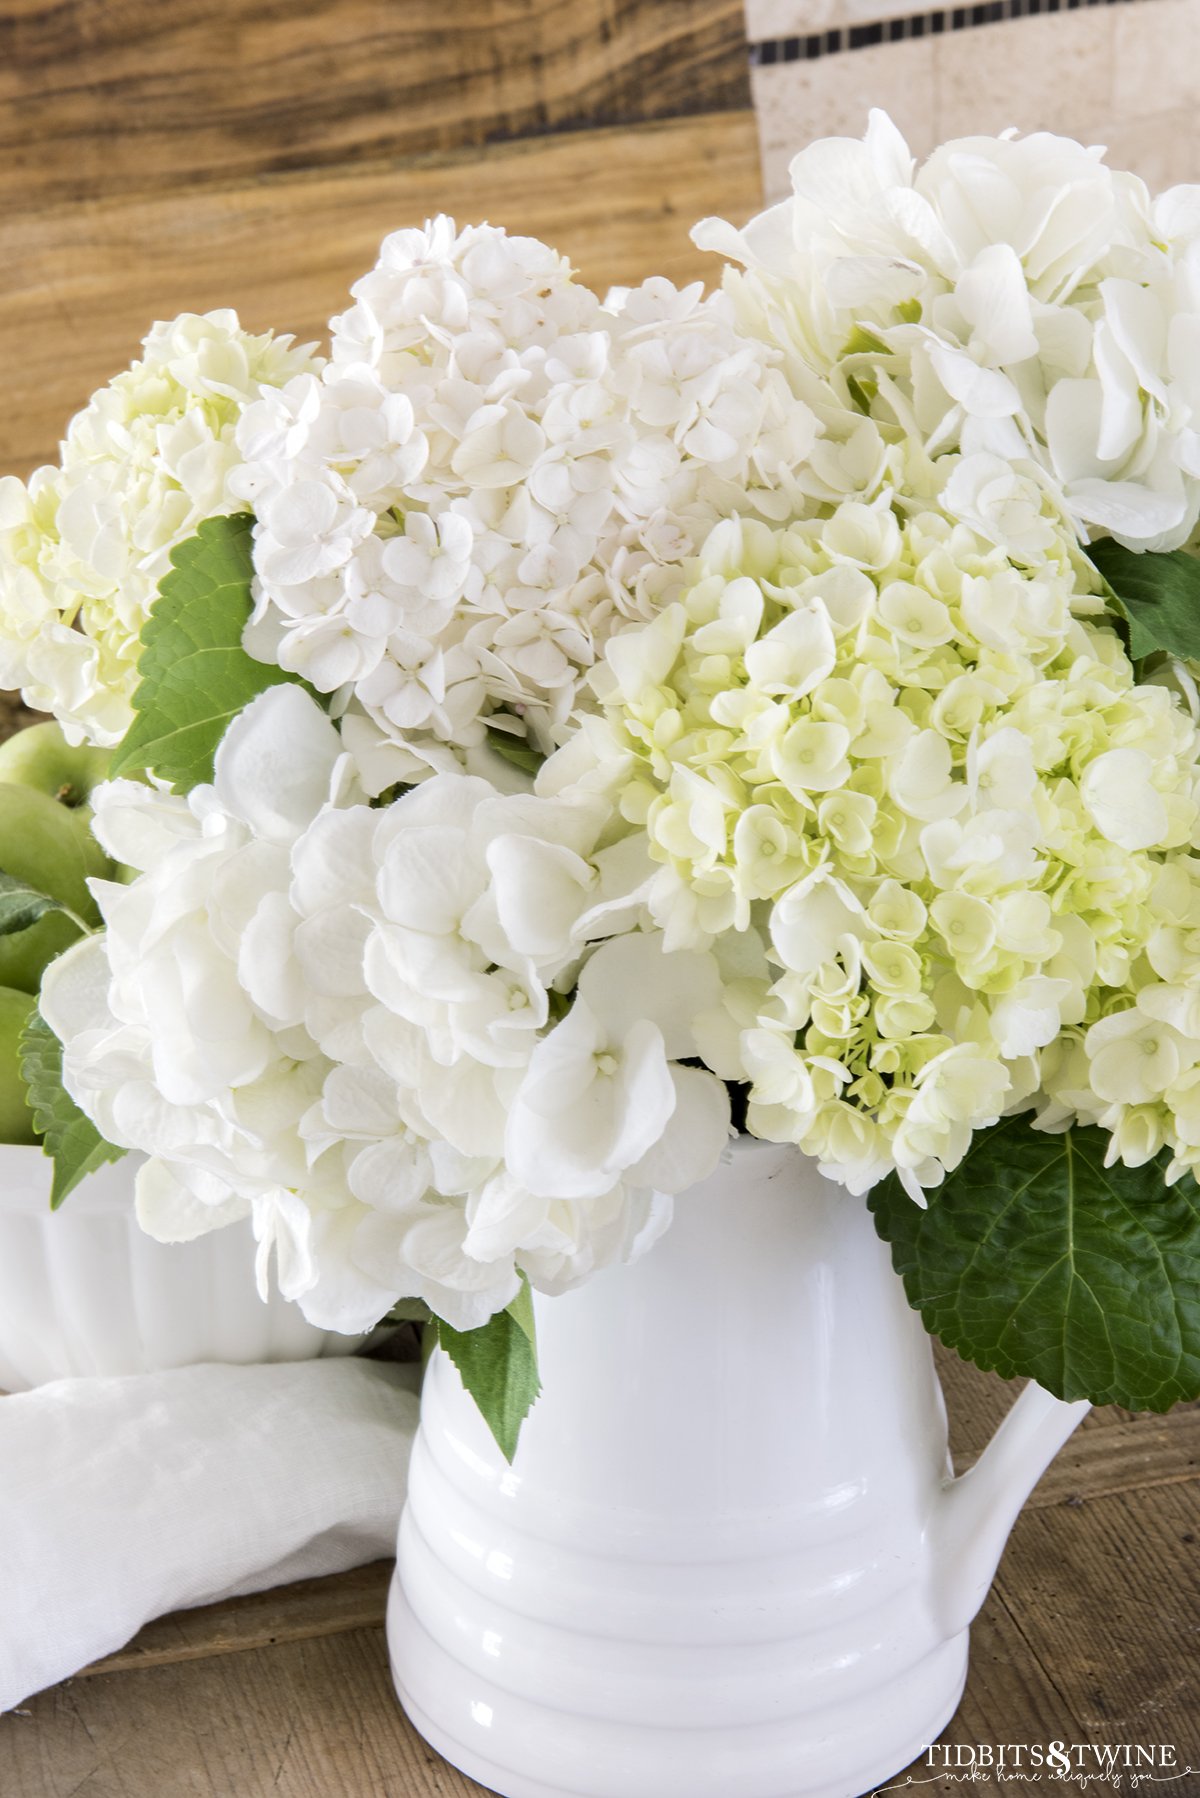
(1034, 1258)
(498, 1366)
(195, 675)
(1156, 593)
(22, 905)
(521, 1311)
(408, 1311)
(515, 750)
(70, 1138)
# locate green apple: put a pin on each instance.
(41, 757)
(16, 1119)
(47, 844)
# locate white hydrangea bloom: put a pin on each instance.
(493, 473)
(964, 829)
(355, 1023)
(83, 546)
(1012, 302)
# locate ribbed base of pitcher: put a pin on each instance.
(520, 1748)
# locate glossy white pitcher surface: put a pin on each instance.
(729, 1560)
(84, 1291)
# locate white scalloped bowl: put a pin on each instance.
(86, 1291)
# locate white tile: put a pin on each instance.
(1124, 76)
(1164, 150)
(830, 96)
(1050, 73)
(1158, 57)
(767, 20)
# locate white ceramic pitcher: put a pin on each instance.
(730, 1560)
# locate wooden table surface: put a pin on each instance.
(1091, 1635)
(155, 157)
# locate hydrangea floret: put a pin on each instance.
(84, 545)
(391, 1036)
(1027, 311)
(493, 473)
(963, 826)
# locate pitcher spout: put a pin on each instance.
(979, 1508)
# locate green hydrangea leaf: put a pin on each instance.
(195, 675)
(70, 1138)
(498, 1366)
(521, 1312)
(1156, 593)
(22, 905)
(515, 750)
(1034, 1258)
(408, 1311)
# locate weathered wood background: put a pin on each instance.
(156, 157)
(194, 153)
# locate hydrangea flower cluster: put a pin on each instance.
(493, 473)
(84, 546)
(958, 820)
(387, 1034)
(1025, 312)
(854, 798)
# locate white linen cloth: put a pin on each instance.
(122, 1499)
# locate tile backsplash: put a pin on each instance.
(1125, 75)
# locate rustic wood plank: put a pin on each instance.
(1107, 1596)
(313, 1719)
(302, 1612)
(1115, 1457)
(107, 97)
(147, 1729)
(1090, 1633)
(975, 1403)
(1010, 1697)
(14, 715)
(82, 284)
(1113, 1450)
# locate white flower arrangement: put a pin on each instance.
(834, 631)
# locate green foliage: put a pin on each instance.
(862, 392)
(1034, 1258)
(862, 342)
(408, 1311)
(498, 1366)
(195, 675)
(515, 750)
(70, 1138)
(22, 905)
(521, 1312)
(1156, 594)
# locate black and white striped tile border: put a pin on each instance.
(893, 31)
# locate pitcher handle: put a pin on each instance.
(978, 1509)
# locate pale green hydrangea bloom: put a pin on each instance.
(84, 545)
(938, 794)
